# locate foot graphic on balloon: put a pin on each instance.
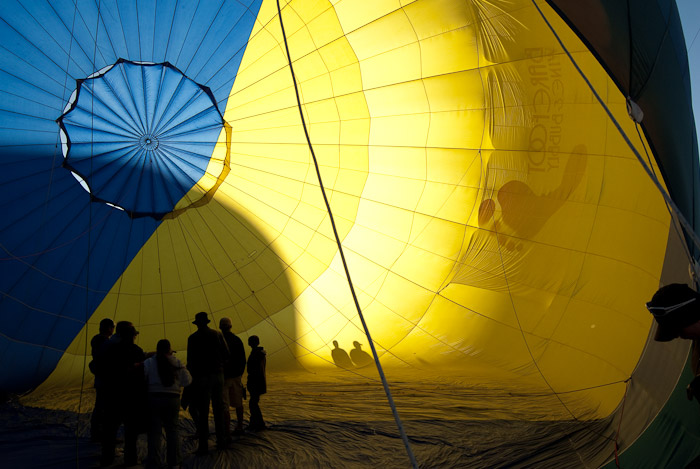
(523, 212)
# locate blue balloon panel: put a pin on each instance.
(139, 136)
(61, 247)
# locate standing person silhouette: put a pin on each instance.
(257, 382)
(206, 354)
(676, 309)
(97, 343)
(340, 356)
(121, 367)
(233, 371)
(359, 357)
(165, 376)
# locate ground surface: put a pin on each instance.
(344, 423)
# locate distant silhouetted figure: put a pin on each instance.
(120, 366)
(97, 343)
(359, 357)
(206, 354)
(233, 371)
(257, 382)
(164, 375)
(340, 356)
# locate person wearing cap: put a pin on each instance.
(359, 357)
(121, 365)
(233, 371)
(206, 354)
(676, 310)
(96, 344)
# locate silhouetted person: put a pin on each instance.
(257, 382)
(359, 357)
(206, 354)
(676, 309)
(233, 371)
(97, 343)
(120, 366)
(164, 375)
(340, 356)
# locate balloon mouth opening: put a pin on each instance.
(144, 138)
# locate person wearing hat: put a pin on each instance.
(121, 368)
(676, 310)
(359, 357)
(96, 344)
(207, 353)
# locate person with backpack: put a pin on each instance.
(165, 375)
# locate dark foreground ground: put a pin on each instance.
(343, 424)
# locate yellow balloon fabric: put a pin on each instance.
(496, 226)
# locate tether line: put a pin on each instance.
(89, 249)
(688, 228)
(404, 437)
(686, 225)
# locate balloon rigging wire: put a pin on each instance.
(51, 173)
(692, 43)
(619, 424)
(684, 222)
(667, 198)
(284, 336)
(670, 212)
(557, 394)
(82, 380)
(287, 338)
(404, 437)
(520, 328)
(522, 332)
(87, 268)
